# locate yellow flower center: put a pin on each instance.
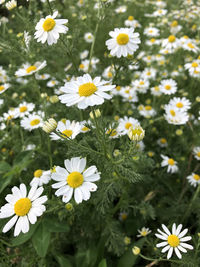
(179, 105)
(144, 233)
(67, 133)
(23, 109)
(152, 40)
(38, 173)
(2, 88)
(168, 87)
(148, 107)
(122, 39)
(198, 154)
(130, 18)
(85, 129)
(173, 240)
(34, 122)
(75, 179)
(157, 88)
(81, 66)
(128, 125)
(137, 131)
(49, 24)
(195, 64)
(124, 216)
(171, 162)
(87, 89)
(190, 45)
(174, 23)
(110, 74)
(118, 88)
(111, 132)
(196, 177)
(171, 38)
(172, 112)
(31, 68)
(22, 206)
(141, 83)
(163, 141)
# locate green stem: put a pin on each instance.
(160, 259)
(51, 11)
(189, 209)
(95, 34)
(49, 152)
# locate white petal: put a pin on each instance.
(23, 190)
(186, 238)
(10, 224)
(169, 254)
(78, 195)
(18, 227)
(166, 229)
(178, 229)
(32, 217)
(37, 193)
(162, 244)
(185, 245)
(25, 224)
(91, 170)
(165, 249)
(81, 165)
(66, 197)
(184, 232)
(178, 253)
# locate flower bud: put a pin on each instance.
(97, 113)
(49, 126)
(136, 133)
(136, 250)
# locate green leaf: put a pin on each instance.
(41, 240)
(63, 261)
(55, 226)
(22, 238)
(102, 263)
(4, 182)
(129, 259)
(4, 167)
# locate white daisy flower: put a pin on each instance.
(183, 104)
(41, 177)
(74, 178)
(88, 36)
(52, 83)
(128, 93)
(159, 12)
(174, 241)
(67, 129)
(196, 152)
(193, 68)
(147, 111)
(24, 208)
(43, 76)
(152, 31)
(168, 86)
(121, 9)
(33, 121)
(85, 92)
(136, 133)
(143, 232)
(49, 28)
(175, 116)
(131, 22)
(171, 43)
(124, 42)
(162, 142)
(156, 91)
(170, 163)
(174, 27)
(28, 69)
(11, 4)
(141, 85)
(4, 87)
(190, 46)
(194, 179)
(125, 124)
(84, 54)
(24, 109)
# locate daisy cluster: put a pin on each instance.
(97, 99)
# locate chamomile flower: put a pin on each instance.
(25, 208)
(147, 111)
(171, 43)
(33, 121)
(52, 83)
(85, 92)
(168, 86)
(11, 4)
(131, 22)
(88, 36)
(156, 91)
(194, 179)
(162, 142)
(173, 241)
(183, 104)
(152, 31)
(196, 152)
(4, 87)
(28, 69)
(40, 177)
(75, 178)
(136, 133)
(174, 27)
(191, 46)
(170, 163)
(67, 129)
(24, 109)
(159, 13)
(193, 68)
(141, 85)
(175, 116)
(124, 42)
(48, 29)
(143, 232)
(43, 76)
(125, 124)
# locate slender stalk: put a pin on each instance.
(95, 34)
(51, 11)
(160, 259)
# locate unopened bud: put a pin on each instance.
(97, 113)
(136, 250)
(49, 126)
(136, 133)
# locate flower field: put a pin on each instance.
(99, 133)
